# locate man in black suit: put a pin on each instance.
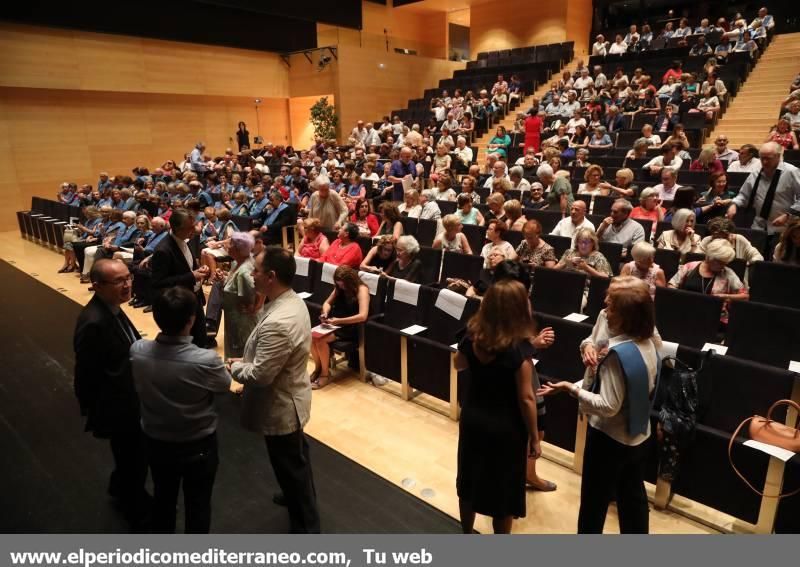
(174, 264)
(280, 214)
(104, 385)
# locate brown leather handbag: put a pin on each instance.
(766, 430)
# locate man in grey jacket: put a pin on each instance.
(277, 390)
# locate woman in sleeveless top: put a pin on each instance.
(644, 267)
(314, 243)
(346, 307)
(380, 256)
(452, 239)
(783, 135)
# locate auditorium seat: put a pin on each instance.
(775, 283)
(687, 318)
(557, 292)
(561, 361)
(763, 333)
(463, 266)
(668, 260)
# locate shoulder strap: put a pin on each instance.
(637, 384)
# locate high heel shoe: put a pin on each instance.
(320, 382)
(64, 269)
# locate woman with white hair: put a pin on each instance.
(240, 301)
(712, 276)
(643, 267)
(682, 238)
(406, 266)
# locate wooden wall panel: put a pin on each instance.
(37, 57)
(305, 79)
(516, 23)
(579, 24)
(368, 92)
(426, 33)
(51, 136)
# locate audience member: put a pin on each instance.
(643, 267)
(682, 238)
(345, 250)
(346, 307)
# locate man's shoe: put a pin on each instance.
(279, 499)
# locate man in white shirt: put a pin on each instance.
(584, 81)
(632, 33)
(668, 159)
(748, 161)
(767, 21)
(555, 108)
(499, 171)
(359, 133)
(576, 220)
(773, 193)
(599, 47)
(571, 105)
(653, 140)
(372, 138)
(668, 186)
(620, 228)
(600, 79)
(722, 150)
(618, 47)
(451, 123)
(463, 152)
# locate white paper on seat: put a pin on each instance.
(719, 349)
(327, 272)
(668, 349)
(451, 303)
(303, 295)
(576, 317)
(302, 266)
(794, 366)
(371, 280)
(777, 452)
(413, 330)
(406, 292)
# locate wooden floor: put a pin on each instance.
(404, 442)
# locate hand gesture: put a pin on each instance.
(236, 387)
(552, 388)
(545, 339)
(608, 221)
(781, 220)
(589, 356)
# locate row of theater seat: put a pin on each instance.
(731, 388)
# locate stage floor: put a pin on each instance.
(407, 444)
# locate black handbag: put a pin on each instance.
(677, 416)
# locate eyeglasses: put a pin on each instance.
(119, 281)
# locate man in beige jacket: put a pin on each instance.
(277, 391)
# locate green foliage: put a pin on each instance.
(324, 119)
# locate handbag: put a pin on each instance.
(766, 430)
(70, 235)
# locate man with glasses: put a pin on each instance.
(723, 152)
(104, 386)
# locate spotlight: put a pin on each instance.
(324, 60)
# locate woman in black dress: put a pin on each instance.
(498, 429)
(346, 307)
(242, 136)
